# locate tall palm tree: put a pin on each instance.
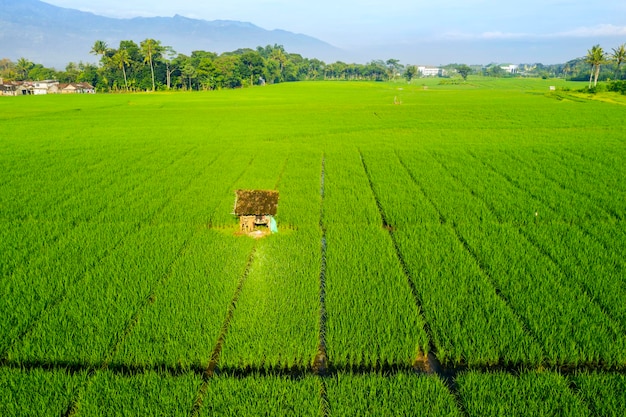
(278, 55)
(99, 48)
(595, 57)
(150, 49)
(120, 59)
(619, 56)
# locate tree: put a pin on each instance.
(151, 49)
(567, 69)
(315, 68)
(463, 71)
(170, 54)
(227, 67)
(39, 72)
(99, 48)
(410, 72)
(619, 56)
(596, 57)
(89, 73)
(393, 67)
(120, 59)
(7, 69)
(251, 65)
(22, 68)
(72, 72)
(189, 72)
(377, 70)
(494, 70)
(205, 71)
(278, 56)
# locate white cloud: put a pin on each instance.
(603, 30)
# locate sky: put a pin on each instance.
(498, 29)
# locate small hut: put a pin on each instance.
(256, 208)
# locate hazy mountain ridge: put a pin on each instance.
(54, 36)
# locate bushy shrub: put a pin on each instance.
(617, 86)
(600, 88)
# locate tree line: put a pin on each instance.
(150, 65)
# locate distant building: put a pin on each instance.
(511, 69)
(431, 71)
(45, 87)
(14, 88)
(76, 88)
(23, 88)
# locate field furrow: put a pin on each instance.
(366, 283)
(447, 278)
(580, 259)
(276, 321)
(569, 196)
(538, 291)
(84, 327)
(86, 242)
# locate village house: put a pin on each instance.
(14, 88)
(19, 88)
(77, 88)
(45, 87)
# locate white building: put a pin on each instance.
(45, 87)
(430, 71)
(511, 69)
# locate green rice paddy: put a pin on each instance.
(481, 224)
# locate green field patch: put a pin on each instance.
(179, 329)
(604, 393)
(482, 223)
(398, 394)
(38, 392)
(147, 394)
(532, 393)
(257, 395)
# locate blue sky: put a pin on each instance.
(508, 30)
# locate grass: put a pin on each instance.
(481, 222)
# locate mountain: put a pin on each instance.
(55, 36)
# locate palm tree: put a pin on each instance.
(150, 48)
(99, 48)
(619, 56)
(595, 57)
(278, 55)
(120, 59)
(22, 67)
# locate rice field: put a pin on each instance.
(479, 225)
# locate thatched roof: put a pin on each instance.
(256, 202)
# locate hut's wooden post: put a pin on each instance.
(246, 223)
